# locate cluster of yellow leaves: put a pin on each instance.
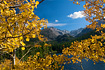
(16, 25)
(17, 22)
(94, 10)
(36, 63)
(91, 48)
(7, 64)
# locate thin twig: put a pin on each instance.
(81, 66)
(41, 1)
(7, 53)
(25, 55)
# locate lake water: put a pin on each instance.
(87, 65)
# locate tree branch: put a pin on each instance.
(27, 52)
(18, 36)
(81, 65)
(25, 55)
(20, 5)
(41, 1)
(2, 53)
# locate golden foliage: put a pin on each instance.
(35, 62)
(17, 21)
(16, 25)
(92, 48)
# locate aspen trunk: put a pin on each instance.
(13, 60)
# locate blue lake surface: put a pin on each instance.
(87, 65)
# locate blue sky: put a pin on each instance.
(62, 14)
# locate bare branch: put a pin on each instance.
(81, 65)
(6, 52)
(20, 5)
(41, 1)
(25, 54)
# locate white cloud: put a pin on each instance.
(52, 24)
(75, 15)
(56, 20)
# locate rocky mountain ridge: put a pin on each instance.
(76, 32)
(86, 30)
(54, 33)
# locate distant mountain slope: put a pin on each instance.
(76, 32)
(51, 33)
(86, 30)
(87, 35)
(65, 37)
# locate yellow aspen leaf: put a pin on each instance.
(30, 0)
(45, 44)
(21, 37)
(79, 46)
(23, 48)
(36, 6)
(5, 2)
(43, 69)
(27, 39)
(77, 2)
(22, 43)
(9, 34)
(33, 0)
(16, 39)
(101, 6)
(4, 68)
(37, 2)
(38, 53)
(33, 36)
(103, 25)
(33, 24)
(26, 0)
(32, 7)
(92, 40)
(84, 6)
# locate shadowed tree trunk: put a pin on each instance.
(13, 60)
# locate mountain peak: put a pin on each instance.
(76, 32)
(52, 32)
